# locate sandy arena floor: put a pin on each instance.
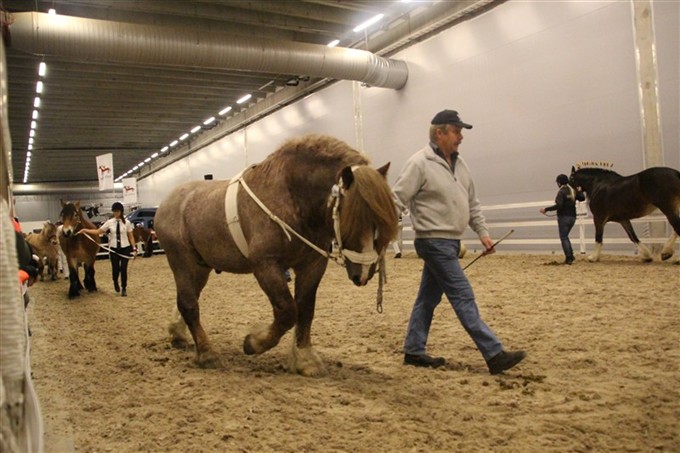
(602, 372)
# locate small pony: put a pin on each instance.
(45, 246)
(612, 197)
(78, 248)
(317, 188)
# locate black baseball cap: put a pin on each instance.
(449, 117)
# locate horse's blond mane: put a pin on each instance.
(602, 165)
(369, 201)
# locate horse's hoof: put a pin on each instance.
(73, 296)
(179, 343)
(208, 360)
(248, 348)
(666, 256)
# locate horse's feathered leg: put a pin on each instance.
(599, 232)
(74, 281)
(674, 219)
(273, 282)
(303, 358)
(89, 280)
(190, 280)
(644, 251)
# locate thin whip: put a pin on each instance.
(494, 245)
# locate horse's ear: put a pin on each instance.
(383, 170)
(62, 203)
(78, 205)
(573, 170)
(347, 177)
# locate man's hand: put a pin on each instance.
(487, 242)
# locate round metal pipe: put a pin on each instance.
(105, 41)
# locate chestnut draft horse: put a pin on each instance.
(78, 248)
(316, 188)
(612, 197)
(45, 245)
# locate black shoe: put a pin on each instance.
(398, 255)
(569, 260)
(423, 360)
(124, 293)
(505, 360)
(116, 287)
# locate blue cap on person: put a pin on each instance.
(450, 117)
(117, 206)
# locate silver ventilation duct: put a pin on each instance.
(105, 41)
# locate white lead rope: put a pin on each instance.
(108, 249)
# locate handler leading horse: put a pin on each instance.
(612, 197)
(78, 248)
(312, 184)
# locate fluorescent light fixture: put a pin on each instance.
(140, 165)
(52, 12)
(42, 69)
(28, 159)
(195, 129)
(184, 136)
(31, 133)
(369, 22)
(135, 167)
(154, 155)
(174, 142)
(209, 120)
(39, 87)
(333, 43)
(164, 149)
(225, 110)
(147, 160)
(244, 99)
(35, 115)
(28, 154)
(34, 125)
(30, 141)
(36, 102)
(30, 147)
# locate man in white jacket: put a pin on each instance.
(437, 188)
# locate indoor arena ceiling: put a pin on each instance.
(92, 104)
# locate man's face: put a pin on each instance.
(449, 138)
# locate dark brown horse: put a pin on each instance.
(302, 184)
(616, 198)
(78, 248)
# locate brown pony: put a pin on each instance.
(78, 248)
(302, 184)
(45, 246)
(144, 236)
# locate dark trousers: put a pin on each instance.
(119, 264)
(564, 225)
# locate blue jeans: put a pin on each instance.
(442, 274)
(564, 225)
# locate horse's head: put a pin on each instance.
(49, 230)
(586, 178)
(365, 220)
(71, 218)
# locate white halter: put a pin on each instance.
(338, 254)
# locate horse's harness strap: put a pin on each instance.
(231, 212)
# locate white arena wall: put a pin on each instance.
(545, 84)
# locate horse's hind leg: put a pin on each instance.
(273, 282)
(303, 359)
(190, 280)
(674, 220)
(644, 251)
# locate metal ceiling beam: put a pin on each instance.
(95, 40)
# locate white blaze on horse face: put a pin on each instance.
(366, 247)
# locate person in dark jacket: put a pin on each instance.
(565, 205)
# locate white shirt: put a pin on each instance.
(110, 227)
